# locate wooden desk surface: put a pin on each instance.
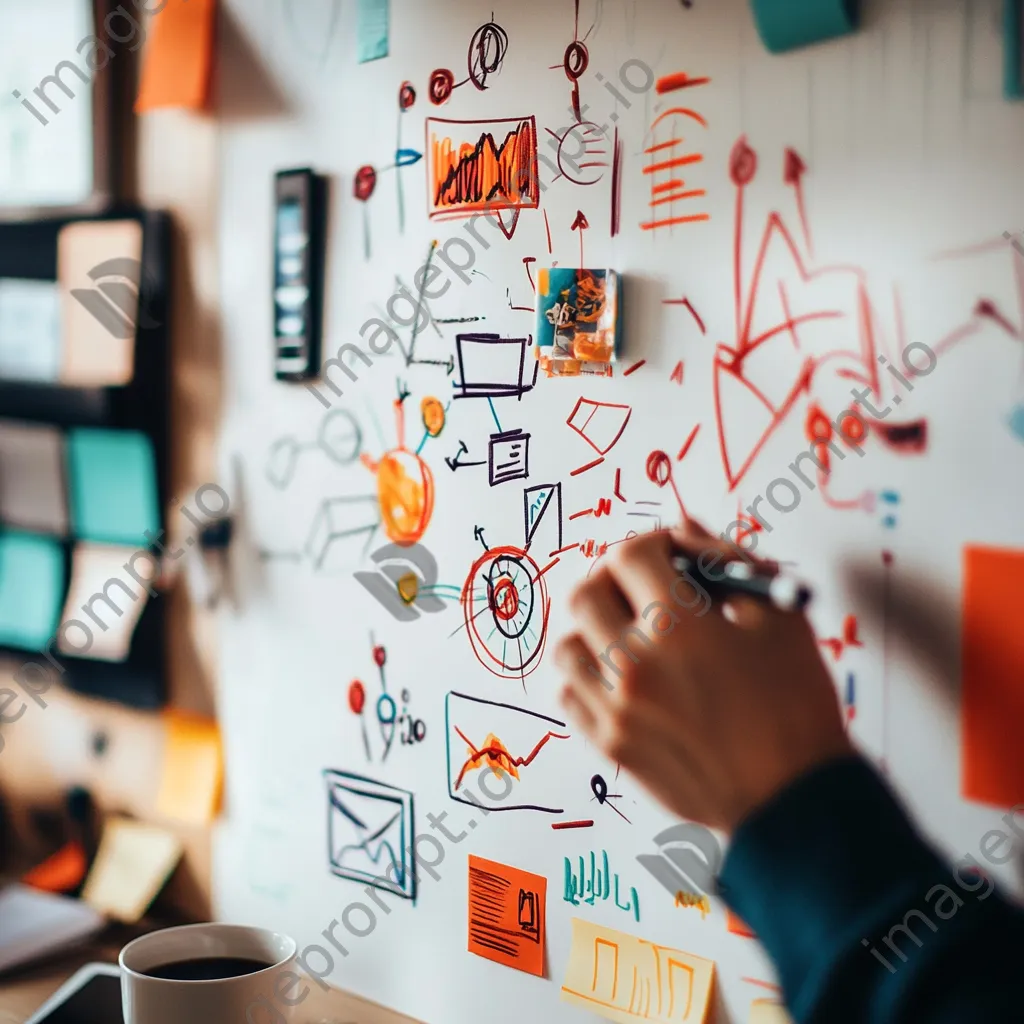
(23, 992)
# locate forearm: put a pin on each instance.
(863, 921)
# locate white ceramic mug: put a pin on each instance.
(258, 998)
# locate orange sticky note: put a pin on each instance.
(62, 872)
(177, 62)
(992, 692)
(507, 915)
(193, 769)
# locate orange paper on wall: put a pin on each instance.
(193, 769)
(992, 694)
(177, 63)
(507, 915)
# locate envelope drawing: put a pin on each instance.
(370, 833)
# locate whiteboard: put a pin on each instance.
(892, 165)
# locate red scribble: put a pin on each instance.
(634, 368)
(581, 514)
(527, 260)
(677, 373)
(688, 444)
(659, 471)
(600, 424)
(618, 481)
(680, 80)
(572, 824)
(580, 224)
(839, 644)
(672, 190)
(616, 199)
(548, 567)
(562, 551)
(547, 227)
(793, 175)
(589, 465)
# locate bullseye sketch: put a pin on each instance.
(506, 617)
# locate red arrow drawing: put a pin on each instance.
(793, 174)
(582, 224)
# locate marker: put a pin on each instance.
(739, 579)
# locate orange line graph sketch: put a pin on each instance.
(624, 978)
(511, 743)
(668, 152)
(482, 167)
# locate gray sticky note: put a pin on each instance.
(32, 492)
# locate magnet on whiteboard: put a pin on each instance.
(789, 24)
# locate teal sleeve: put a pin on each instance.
(865, 923)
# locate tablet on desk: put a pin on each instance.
(92, 996)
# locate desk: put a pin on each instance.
(25, 991)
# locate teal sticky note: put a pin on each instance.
(788, 24)
(373, 25)
(112, 481)
(31, 589)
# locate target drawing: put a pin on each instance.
(506, 618)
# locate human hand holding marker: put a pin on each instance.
(713, 713)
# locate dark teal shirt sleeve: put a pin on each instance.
(865, 924)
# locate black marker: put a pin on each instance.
(741, 579)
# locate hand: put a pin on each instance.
(714, 710)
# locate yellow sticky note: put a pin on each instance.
(193, 769)
(177, 63)
(624, 978)
(767, 1011)
(132, 865)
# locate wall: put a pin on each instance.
(893, 166)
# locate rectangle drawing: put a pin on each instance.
(493, 367)
(624, 978)
(508, 457)
(509, 744)
(370, 833)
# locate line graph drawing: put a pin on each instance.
(781, 323)
(507, 617)
(624, 978)
(486, 55)
(370, 832)
(505, 740)
(482, 167)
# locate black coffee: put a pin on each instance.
(211, 968)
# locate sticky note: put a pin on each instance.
(372, 29)
(132, 865)
(106, 599)
(767, 1011)
(99, 267)
(31, 589)
(62, 872)
(177, 62)
(507, 915)
(992, 697)
(32, 494)
(112, 479)
(193, 769)
(614, 974)
(29, 329)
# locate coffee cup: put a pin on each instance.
(208, 973)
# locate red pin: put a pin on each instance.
(356, 703)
